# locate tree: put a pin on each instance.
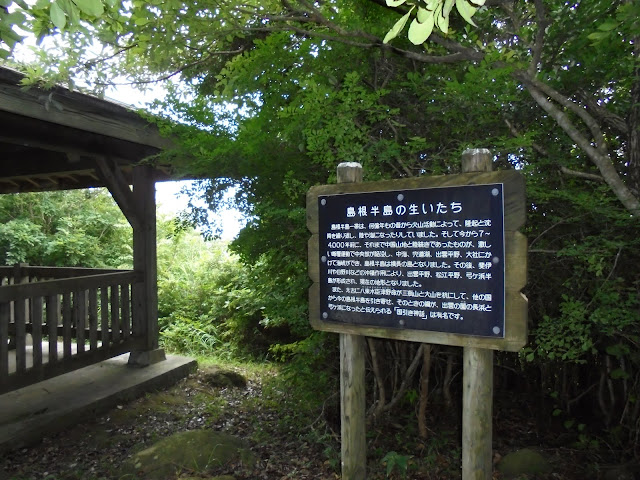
(66, 229)
(530, 38)
(552, 87)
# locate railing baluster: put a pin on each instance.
(5, 315)
(36, 330)
(104, 316)
(20, 320)
(66, 325)
(126, 311)
(53, 319)
(115, 314)
(80, 318)
(93, 318)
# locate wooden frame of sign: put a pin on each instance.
(512, 333)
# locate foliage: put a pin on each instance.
(430, 13)
(394, 461)
(70, 228)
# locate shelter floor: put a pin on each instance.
(30, 413)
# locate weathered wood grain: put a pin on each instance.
(37, 312)
(51, 287)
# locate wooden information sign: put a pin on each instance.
(426, 259)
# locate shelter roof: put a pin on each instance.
(53, 139)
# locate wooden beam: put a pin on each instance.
(84, 112)
(9, 293)
(119, 188)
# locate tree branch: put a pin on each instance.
(538, 44)
(602, 161)
(588, 120)
(586, 176)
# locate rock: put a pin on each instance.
(195, 451)
(523, 462)
(215, 377)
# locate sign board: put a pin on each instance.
(425, 259)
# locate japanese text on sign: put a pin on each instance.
(427, 259)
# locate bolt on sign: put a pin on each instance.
(434, 259)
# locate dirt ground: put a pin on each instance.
(288, 447)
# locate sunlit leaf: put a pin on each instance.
(58, 17)
(441, 20)
(397, 28)
(90, 7)
(419, 32)
(395, 3)
(433, 4)
(446, 9)
(423, 14)
(466, 10)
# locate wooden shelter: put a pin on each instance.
(58, 139)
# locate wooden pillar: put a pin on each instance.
(477, 379)
(145, 295)
(352, 380)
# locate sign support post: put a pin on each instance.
(352, 380)
(477, 377)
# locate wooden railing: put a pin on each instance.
(74, 316)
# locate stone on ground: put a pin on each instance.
(523, 462)
(216, 377)
(194, 451)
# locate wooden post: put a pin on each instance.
(477, 379)
(352, 384)
(145, 295)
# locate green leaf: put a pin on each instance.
(395, 3)
(397, 28)
(446, 9)
(441, 20)
(140, 21)
(433, 4)
(419, 32)
(466, 10)
(478, 2)
(619, 373)
(618, 350)
(90, 7)
(423, 14)
(598, 35)
(58, 17)
(608, 26)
